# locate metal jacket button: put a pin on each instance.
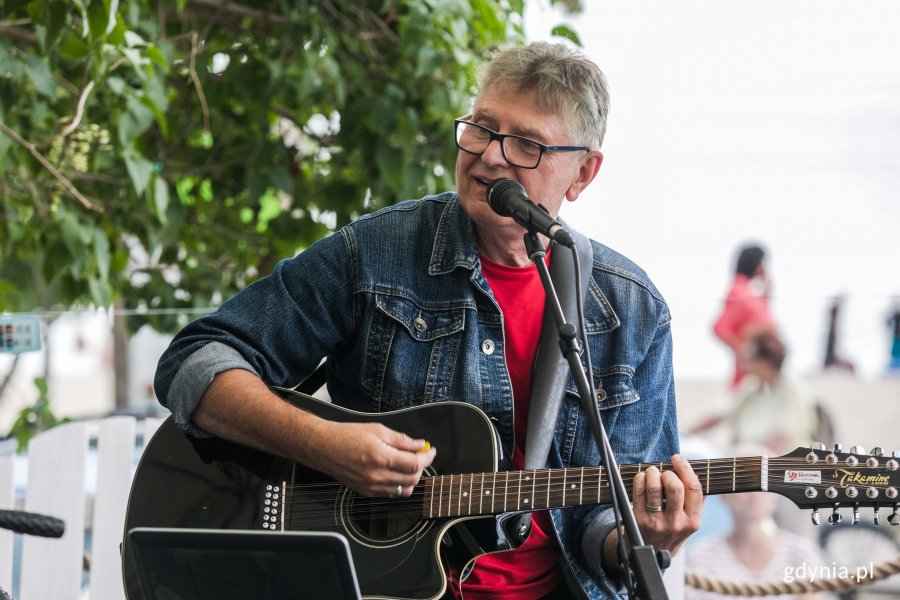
(420, 324)
(487, 346)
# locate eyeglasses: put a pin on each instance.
(517, 150)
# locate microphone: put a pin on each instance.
(507, 198)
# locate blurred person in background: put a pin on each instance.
(755, 549)
(746, 307)
(833, 359)
(772, 410)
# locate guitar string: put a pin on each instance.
(370, 506)
(719, 472)
(592, 474)
(542, 485)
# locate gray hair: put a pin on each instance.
(563, 79)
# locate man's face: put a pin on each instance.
(559, 175)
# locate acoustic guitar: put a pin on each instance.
(400, 546)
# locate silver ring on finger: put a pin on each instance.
(653, 509)
(396, 493)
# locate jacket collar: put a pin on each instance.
(455, 244)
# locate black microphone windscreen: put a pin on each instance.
(499, 192)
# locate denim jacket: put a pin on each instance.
(398, 304)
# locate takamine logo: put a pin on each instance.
(847, 478)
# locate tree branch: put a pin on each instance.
(193, 72)
(16, 33)
(32, 149)
(79, 110)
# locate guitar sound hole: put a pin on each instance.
(381, 521)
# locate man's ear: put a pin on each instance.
(590, 165)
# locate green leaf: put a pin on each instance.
(564, 31)
(161, 199)
(101, 292)
(72, 47)
(157, 57)
(54, 19)
(100, 21)
(101, 253)
(41, 77)
(139, 170)
(206, 192)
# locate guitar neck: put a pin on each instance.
(472, 494)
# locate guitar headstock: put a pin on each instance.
(817, 477)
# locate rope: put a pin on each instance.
(772, 588)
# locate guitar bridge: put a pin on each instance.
(272, 506)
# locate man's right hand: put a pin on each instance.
(370, 458)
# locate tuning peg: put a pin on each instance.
(815, 516)
(855, 519)
(896, 453)
(817, 446)
(877, 451)
(857, 450)
(877, 518)
(894, 519)
(835, 517)
(836, 447)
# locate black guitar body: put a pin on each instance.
(185, 482)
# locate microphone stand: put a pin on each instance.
(642, 561)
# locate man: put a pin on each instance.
(436, 299)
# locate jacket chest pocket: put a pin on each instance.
(411, 351)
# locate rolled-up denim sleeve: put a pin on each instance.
(194, 376)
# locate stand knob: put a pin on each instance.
(664, 559)
(815, 516)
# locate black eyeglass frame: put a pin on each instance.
(501, 137)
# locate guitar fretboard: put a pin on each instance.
(511, 491)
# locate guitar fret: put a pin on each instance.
(734, 473)
(519, 494)
(459, 496)
(493, 492)
(581, 488)
(471, 484)
(707, 476)
(481, 496)
(547, 505)
(565, 474)
(599, 483)
(506, 492)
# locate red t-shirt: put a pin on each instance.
(744, 311)
(531, 570)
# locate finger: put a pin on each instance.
(639, 489)
(693, 491)
(654, 493)
(401, 441)
(673, 491)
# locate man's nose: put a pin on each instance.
(493, 154)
